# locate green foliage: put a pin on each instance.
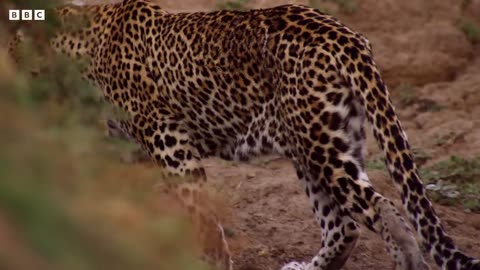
(455, 181)
(376, 164)
(445, 139)
(470, 29)
(63, 189)
(468, 26)
(465, 4)
(315, 4)
(406, 94)
(349, 6)
(379, 164)
(232, 4)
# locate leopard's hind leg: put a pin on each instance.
(327, 150)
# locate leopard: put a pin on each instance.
(288, 80)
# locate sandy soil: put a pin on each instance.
(415, 42)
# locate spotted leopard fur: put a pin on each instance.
(288, 80)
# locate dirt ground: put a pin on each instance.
(416, 43)
(426, 59)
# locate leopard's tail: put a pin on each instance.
(357, 67)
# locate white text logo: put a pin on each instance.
(26, 14)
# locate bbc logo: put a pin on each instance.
(26, 14)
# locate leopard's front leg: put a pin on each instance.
(168, 144)
(122, 129)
